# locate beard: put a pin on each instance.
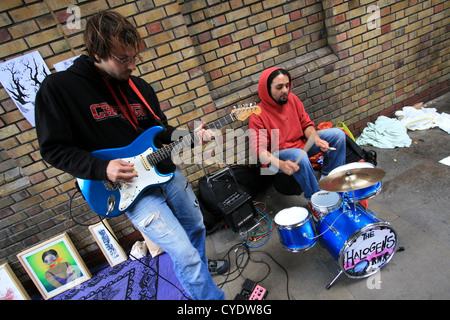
(282, 100)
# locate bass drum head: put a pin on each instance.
(368, 250)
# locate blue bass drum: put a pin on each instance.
(358, 240)
(295, 229)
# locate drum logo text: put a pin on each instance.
(369, 251)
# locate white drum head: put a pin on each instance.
(291, 216)
(325, 198)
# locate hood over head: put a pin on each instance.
(263, 88)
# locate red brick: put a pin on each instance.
(295, 15)
(225, 41)
(246, 43)
(264, 46)
(4, 35)
(204, 37)
(215, 74)
(38, 177)
(154, 28)
(355, 22)
(165, 105)
(339, 18)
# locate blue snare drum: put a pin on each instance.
(360, 194)
(295, 229)
(358, 240)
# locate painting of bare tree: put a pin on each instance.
(21, 77)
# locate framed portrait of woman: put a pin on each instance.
(54, 266)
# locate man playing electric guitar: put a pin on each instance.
(97, 104)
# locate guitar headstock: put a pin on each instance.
(241, 113)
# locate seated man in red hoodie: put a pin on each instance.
(280, 132)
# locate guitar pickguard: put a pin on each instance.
(147, 176)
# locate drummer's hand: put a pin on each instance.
(288, 167)
(322, 144)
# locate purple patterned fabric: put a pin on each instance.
(130, 280)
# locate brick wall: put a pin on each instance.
(205, 56)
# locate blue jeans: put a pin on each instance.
(332, 159)
(170, 216)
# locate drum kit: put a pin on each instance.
(359, 240)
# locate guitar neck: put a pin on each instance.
(186, 141)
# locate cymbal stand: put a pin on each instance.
(354, 207)
(345, 205)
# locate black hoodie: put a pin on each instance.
(76, 113)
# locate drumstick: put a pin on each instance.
(306, 148)
(331, 148)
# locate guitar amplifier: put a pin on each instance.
(238, 209)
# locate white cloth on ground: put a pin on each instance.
(385, 133)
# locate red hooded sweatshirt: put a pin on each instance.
(290, 119)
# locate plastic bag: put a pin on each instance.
(139, 250)
(347, 131)
(423, 118)
(417, 119)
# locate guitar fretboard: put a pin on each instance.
(184, 142)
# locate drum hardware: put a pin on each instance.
(334, 280)
(330, 227)
(333, 229)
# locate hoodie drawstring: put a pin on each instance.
(127, 112)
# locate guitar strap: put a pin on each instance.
(139, 94)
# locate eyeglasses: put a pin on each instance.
(126, 60)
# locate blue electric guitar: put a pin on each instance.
(111, 199)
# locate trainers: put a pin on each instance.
(217, 267)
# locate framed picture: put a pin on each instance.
(10, 286)
(22, 77)
(105, 238)
(54, 266)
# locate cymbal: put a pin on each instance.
(352, 179)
